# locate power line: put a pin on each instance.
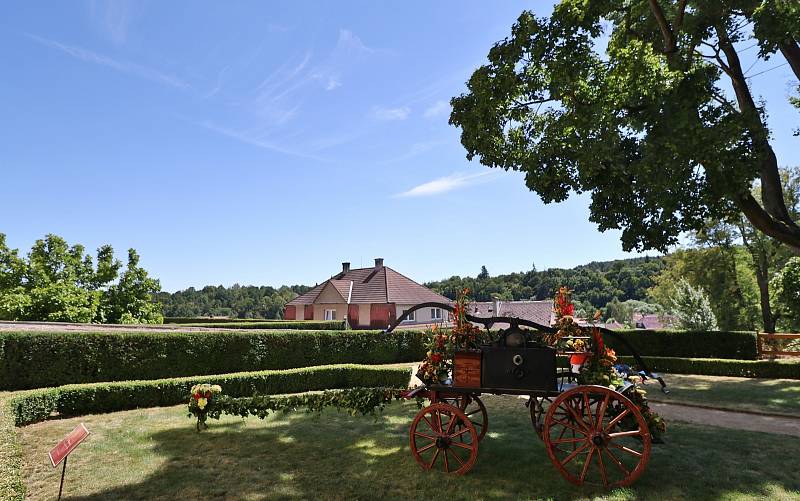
(768, 70)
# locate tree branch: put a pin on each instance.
(782, 231)
(670, 46)
(791, 51)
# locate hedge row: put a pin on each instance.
(43, 359)
(311, 324)
(721, 367)
(77, 400)
(692, 344)
(11, 485)
(321, 325)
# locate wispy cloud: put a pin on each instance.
(121, 66)
(446, 184)
(113, 17)
(437, 109)
(415, 150)
(259, 140)
(390, 114)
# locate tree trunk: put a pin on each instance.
(763, 289)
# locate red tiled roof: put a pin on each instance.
(374, 285)
(653, 321)
(540, 312)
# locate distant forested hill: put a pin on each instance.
(235, 301)
(596, 283)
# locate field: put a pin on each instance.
(156, 454)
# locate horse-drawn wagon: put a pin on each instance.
(593, 433)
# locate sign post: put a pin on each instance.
(64, 448)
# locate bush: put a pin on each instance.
(693, 344)
(268, 323)
(720, 367)
(321, 325)
(42, 359)
(11, 486)
(76, 400)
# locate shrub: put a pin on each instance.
(267, 322)
(76, 400)
(42, 359)
(321, 325)
(721, 367)
(695, 344)
(11, 486)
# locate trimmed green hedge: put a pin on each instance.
(43, 359)
(11, 486)
(226, 322)
(692, 344)
(321, 325)
(76, 400)
(721, 367)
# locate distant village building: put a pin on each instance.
(367, 298)
(654, 321)
(540, 312)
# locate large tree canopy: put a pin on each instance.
(642, 103)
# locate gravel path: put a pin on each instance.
(728, 419)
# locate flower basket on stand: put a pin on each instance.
(467, 369)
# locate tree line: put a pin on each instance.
(236, 301)
(61, 283)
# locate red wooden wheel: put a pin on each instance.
(538, 407)
(473, 408)
(443, 438)
(596, 436)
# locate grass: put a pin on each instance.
(156, 454)
(780, 396)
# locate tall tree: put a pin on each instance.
(691, 306)
(662, 128)
(786, 288)
(484, 274)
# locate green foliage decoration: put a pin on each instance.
(363, 401)
(77, 400)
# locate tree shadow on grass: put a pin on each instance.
(337, 456)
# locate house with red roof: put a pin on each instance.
(367, 298)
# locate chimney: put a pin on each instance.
(345, 267)
(379, 262)
(496, 302)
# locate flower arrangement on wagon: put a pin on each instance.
(444, 343)
(599, 366)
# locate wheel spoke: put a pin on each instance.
(587, 409)
(425, 418)
(575, 416)
(460, 432)
(446, 463)
(626, 449)
(602, 467)
(586, 464)
(567, 425)
(435, 456)
(429, 437)
(568, 440)
(621, 434)
(429, 446)
(601, 413)
(574, 453)
(617, 419)
(453, 421)
(618, 462)
(438, 415)
(462, 445)
(458, 458)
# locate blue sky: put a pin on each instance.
(264, 143)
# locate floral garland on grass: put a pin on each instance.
(355, 400)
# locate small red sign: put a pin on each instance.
(68, 444)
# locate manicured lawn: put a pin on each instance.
(156, 454)
(766, 395)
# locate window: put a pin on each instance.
(436, 313)
(412, 317)
(330, 314)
